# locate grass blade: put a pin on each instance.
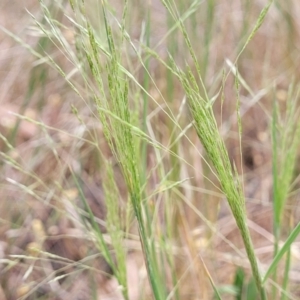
(281, 252)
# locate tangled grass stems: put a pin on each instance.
(123, 145)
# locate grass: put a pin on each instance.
(153, 134)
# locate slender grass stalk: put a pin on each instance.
(145, 97)
(210, 14)
(114, 227)
(207, 130)
(100, 239)
(284, 249)
(239, 123)
(286, 274)
(276, 215)
(285, 142)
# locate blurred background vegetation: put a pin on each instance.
(69, 228)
